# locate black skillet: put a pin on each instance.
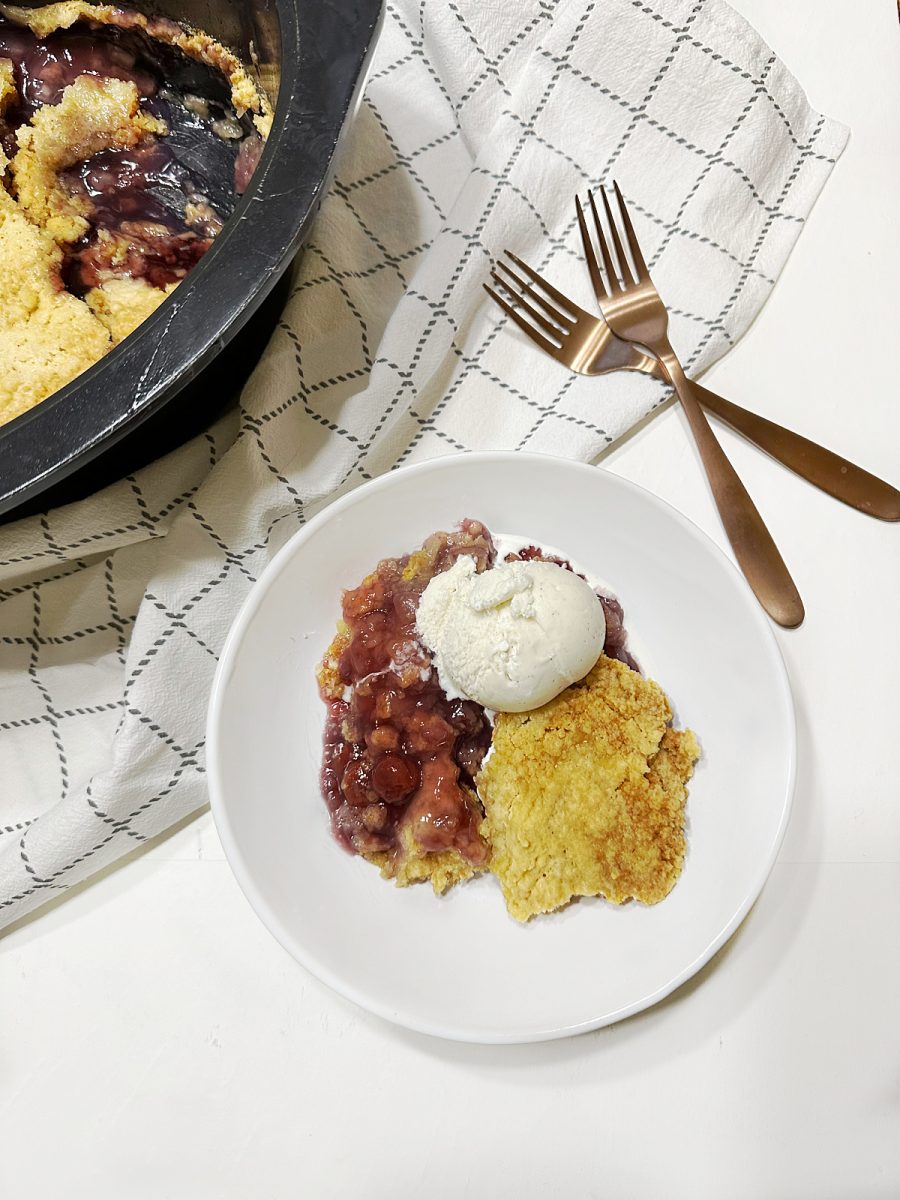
(164, 382)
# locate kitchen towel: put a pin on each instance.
(479, 124)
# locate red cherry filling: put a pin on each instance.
(155, 208)
(397, 750)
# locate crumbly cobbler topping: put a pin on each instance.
(585, 796)
(114, 179)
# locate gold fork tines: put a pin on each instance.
(559, 326)
(634, 311)
(553, 323)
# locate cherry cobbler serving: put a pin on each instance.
(400, 759)
(125, 143)
(484, 713)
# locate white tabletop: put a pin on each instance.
(157, 1042)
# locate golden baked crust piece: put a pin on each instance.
(92, 115)
(8, 91)
(124, 303)
(47, 337)
(585, 796)
(442, 869)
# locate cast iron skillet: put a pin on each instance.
(313, 53)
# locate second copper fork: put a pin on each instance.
(585, 343)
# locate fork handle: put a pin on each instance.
(753, 545)
(835, 475)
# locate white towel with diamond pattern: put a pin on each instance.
(480, 123)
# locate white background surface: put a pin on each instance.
(155, 1041)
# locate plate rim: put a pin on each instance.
(242, 874)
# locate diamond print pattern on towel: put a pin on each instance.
(478, 125)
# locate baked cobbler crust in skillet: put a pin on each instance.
(103, 210)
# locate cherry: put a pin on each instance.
(356, 783)
(395, 777)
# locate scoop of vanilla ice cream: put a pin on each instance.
(513, 637)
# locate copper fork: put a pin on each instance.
(584, 342)
(634, 312)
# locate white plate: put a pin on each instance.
(459, 966)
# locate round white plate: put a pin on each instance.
(459, 966)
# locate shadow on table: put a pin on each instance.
(104, 873)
